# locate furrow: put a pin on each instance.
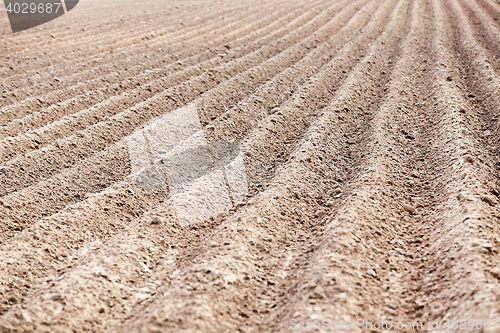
(111, 210)
(472, 54)
(28, 57)
(370, 136)
(228, 266)
(361, 249)
(13, 211)
(87, 70)
(486, 34)
(201, 27)
(126, 53)
(147, 44)
(493, 9)
(95, 15)
(453, 267)
(274, 141)
(190, 56)
(151, 248)
(108, 131)
(233, 125)
(148, 85)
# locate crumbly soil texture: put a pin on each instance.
(370, 135)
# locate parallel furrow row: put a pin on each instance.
(115, 104)
(112, 210)
(370, 136)
(99, 66)
(143, 36)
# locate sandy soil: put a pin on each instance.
(371, 141)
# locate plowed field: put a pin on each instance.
(371, 140)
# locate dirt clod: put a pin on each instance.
(487, 246)
(409, 208)
(157, 220)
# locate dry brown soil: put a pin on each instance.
(371, 136)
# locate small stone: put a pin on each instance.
(487, 246)
(408, 208)
(371, 272)
(338, 190)
(461, 197)
(462, 110)
(329, 203)
(156, 220)
(320, 213)
(448, 78)
(469, 159)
